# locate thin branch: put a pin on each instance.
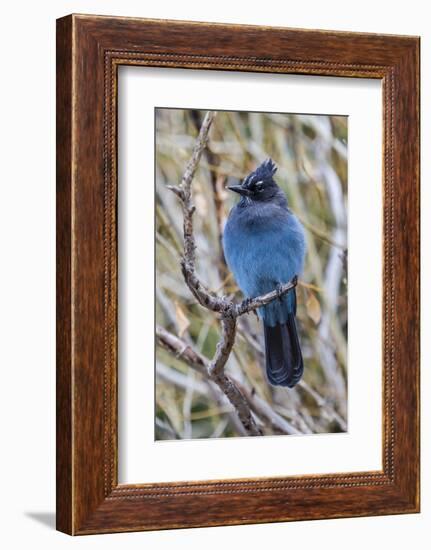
(184, 351)
(321, 402)
(180, 349)
(251, 304)
(218, 183)
(319, 233)
(264, 410)
(177, 378)
(214, 371)
(194, 359)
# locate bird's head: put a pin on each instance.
(259, 185)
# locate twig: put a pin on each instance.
(177, 378)
(193, 358)
(214, 371)
(321, 402)
(218, 183)
(319, 233)
(263, 409)
(251, 304)
(180, 349)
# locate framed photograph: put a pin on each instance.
(237, 274)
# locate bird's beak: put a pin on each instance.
(239, 189)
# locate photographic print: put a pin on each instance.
(237, 232)
(251, 273)
(191, 390)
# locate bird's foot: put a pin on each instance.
(279, 287)
(247, 302)
(279, 290)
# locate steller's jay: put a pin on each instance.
(264, 246)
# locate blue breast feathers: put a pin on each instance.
(264, 247)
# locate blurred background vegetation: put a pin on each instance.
(311, 154)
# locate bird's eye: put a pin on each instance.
(258, 186)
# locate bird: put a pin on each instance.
(264, 246)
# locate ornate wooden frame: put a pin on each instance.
(89, 51)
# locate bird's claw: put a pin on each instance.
(279, 287)
(247, 302)
(279, 290)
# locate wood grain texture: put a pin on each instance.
(90, 49)
(64, 497)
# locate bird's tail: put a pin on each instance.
(284, 365)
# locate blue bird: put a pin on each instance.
(264, 246)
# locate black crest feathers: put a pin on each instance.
(263, 172)
(267, 169)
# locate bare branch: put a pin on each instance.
(177, 190)
(321, 402)
(175, 377)
(206, 298)
(264, 410)
(218, 183)
(214, 371)
(180, 349)
(224, 347)
(251, 304)
(186, 191)
(239, 393)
